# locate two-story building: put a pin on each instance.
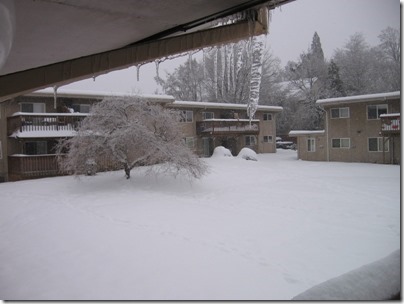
(31, 126)
(363, 128)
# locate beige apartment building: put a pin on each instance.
(31, 125)
(363, 128)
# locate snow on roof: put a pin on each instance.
(360, 98)
(306, 132)
(44, 134)
(218, 105)
(390, 115)
(95, 94)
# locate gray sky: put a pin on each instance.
(290, 33)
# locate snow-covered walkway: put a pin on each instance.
(266, 229)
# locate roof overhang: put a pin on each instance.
(359, 98)
(55, 42)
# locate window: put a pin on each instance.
(207, 115)
(375, 144)
(190, 142)
(32, 107)
(250, 140)
(267, 138)
(187, 116)
(344, 143)
(311, 145)
(340, 113)
(35, 148)
(81, 108)
(374, 111)
(267, 116)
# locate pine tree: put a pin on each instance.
(334, 86)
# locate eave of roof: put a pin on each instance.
(359, 98)
(218, 105)
(48, 92)
(295, 133)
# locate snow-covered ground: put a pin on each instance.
(266, 229)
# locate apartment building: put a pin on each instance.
(363, 128)
(31, 125)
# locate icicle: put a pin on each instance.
(223, 66)
(204, 63)
(256, 73)
(55, 96)
(138, 72)
(215, 72)
(157, 62)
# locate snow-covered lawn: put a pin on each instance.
(266, 229)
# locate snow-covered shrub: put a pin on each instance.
(221, 151)
(248, 154)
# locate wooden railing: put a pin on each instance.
(28, 122)
(22, 166)
(32, 166)
(390, 123)
(227, 126)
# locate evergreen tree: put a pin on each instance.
(334, 85)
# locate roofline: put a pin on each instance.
(48, 92)
(218, 105)
(296, 133)
(359, 98)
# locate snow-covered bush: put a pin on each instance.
(127, 132)
(248, 154)
(221, 151)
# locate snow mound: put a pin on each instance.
(221, 151)
(248, 154)
(377, 281)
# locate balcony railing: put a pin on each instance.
(390, 123)
(227, 126)
(32, 166)
(43, 122)
(23, 166)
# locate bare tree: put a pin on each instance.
(127, 132)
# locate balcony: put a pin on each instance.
(25, 125)
(227, 127)
(390, 123)
(32, 166)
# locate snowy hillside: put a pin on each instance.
(267, 229)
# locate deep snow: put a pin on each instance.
(268, 230)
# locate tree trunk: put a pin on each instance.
(127, 171)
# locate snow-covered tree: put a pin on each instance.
(308, 76)
(355, 62)
(390, 50)
(334, 86)
(223, 75)
(127, 132)
(186, 82)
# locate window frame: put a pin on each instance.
(33, 106)
(185, 118)
(266, 115)
(254, 140)
(378, 107)
(379, 145)
(312, 146)
(79, 106)
(210, 113)
(270, 139)
(339, 113)
(36, 142)
(340, 143)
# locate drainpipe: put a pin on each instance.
(326, 135)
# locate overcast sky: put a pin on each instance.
(291, 31)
